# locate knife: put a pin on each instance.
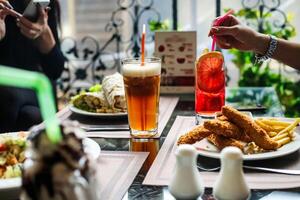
(119, 127)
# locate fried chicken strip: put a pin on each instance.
(226, 129)
(196, 134)
(221, 117)
(256, 133)
(221, 142)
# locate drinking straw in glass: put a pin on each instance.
(143, 45)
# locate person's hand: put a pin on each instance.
(38, 31)
(232, 34)
(4, 7)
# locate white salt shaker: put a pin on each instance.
(186, 182)
(231, 184)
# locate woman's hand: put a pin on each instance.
(4, 7)
(38, 31)
(232, 34)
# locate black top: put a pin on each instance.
(19, 107)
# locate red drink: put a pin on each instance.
(209, 84)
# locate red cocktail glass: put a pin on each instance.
(209, 85)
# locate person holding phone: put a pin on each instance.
(30, 45)
(233, 34)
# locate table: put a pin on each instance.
(239, 97)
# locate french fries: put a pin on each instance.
(290, 127)
(272, 124)
(284, 141)
(272, 133)
(275, 122)
(265, 126)
(280, 131)
(278, 137)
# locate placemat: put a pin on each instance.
(117, 170)
(162, 168)
(166, 108)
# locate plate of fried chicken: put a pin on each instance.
(260, 138)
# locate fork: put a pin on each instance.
(280, 171)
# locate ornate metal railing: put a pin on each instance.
(267, 8)
(88, 60)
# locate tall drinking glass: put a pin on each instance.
(142, 85)
(209, 85)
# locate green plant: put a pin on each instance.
(159, 25)
(258, 75)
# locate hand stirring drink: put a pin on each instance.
(218, 22)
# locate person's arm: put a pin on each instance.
(55, 58)
(232, 34)
(286, 52)
(44, 35)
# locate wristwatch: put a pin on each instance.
(271, 49)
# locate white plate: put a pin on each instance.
(82, 112)
(10, 188)
(205, 148)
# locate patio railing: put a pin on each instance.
(88, 59)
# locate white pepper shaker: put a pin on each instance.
(186, 182)
(231, 183)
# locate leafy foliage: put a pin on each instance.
(159, 25)
(257, 75)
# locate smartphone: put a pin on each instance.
(31, 11)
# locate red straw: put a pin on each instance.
(143, 44)
(218, 22)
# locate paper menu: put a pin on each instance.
(178, 53)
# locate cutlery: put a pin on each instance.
(280, 171)
(122, 127)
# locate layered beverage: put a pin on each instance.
(142, 84)
(209, 85)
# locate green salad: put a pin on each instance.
(12, 154)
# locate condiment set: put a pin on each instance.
(187, 182)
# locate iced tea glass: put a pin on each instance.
(142, 86)
(209, 85)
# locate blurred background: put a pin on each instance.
(96, 34)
